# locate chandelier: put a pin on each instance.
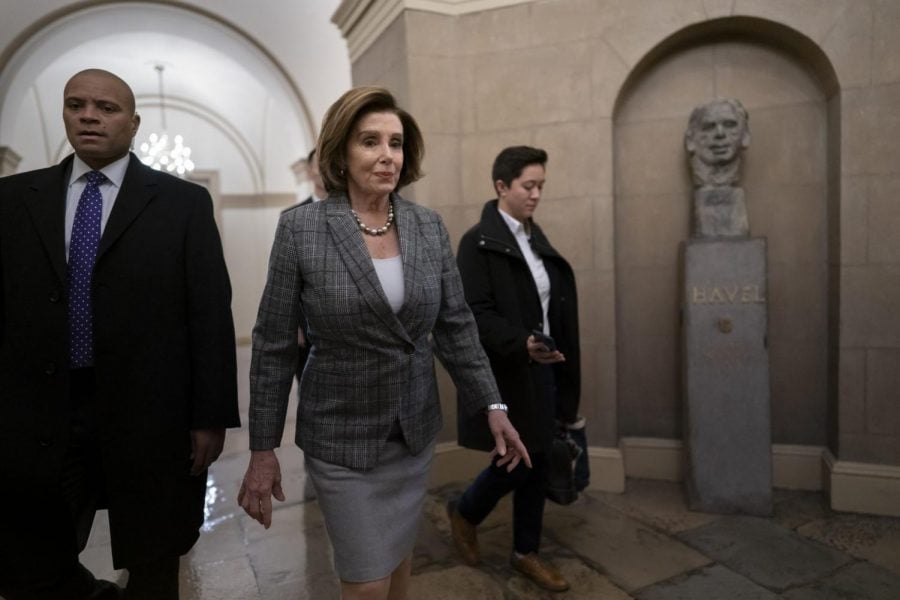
(157, 152)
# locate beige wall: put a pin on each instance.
(606, 88)
(247, 225)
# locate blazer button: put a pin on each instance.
(411, 350)
(50, 368)
(54, 296)
(45, 443)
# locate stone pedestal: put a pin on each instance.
(726, 377)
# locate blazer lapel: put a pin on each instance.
(137, 190)
(47, 207)
(410, 243)
(355, 255)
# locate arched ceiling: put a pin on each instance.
(234, 105)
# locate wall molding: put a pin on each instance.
(453, 463)
(607, 469)
(798, 467)
(853, 486)
(653, 458)
(793, 467)
(362, 21)
(862, 487)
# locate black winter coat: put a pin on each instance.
(504, 299)
(164, 355)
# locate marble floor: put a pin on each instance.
(643, 544)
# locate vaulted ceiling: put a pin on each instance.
(243, 112)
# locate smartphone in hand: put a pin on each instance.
(542, 338)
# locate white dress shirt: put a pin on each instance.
(535, 264)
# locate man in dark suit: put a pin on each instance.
(318, 194)
(117, 361)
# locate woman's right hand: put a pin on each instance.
(261, 481)
(508, 444)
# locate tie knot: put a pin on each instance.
(95, 177)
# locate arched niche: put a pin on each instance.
(791, 178)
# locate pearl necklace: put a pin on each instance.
(379, 231)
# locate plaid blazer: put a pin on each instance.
(367, 367)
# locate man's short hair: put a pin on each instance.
(511, 161)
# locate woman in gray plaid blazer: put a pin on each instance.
(374, 278)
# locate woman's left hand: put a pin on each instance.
(506, 441)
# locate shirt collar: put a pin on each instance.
(114, 171)
(514, 224)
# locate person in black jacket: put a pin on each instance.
(118, 374)
(519, 287)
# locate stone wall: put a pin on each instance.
(606, 88)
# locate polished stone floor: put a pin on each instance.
(643, 544)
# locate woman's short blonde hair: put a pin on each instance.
(337, 127)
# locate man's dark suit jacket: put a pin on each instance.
(164, 356)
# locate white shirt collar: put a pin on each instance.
(514, 224)
(114, 171)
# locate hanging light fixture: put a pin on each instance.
(156, 151)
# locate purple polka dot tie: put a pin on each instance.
(82, 254)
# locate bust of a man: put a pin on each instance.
(717, 133)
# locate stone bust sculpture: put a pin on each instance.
(717, 133)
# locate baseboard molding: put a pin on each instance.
(607, 469)
(863, 487)
(793, 467)
(455, 463)
(653, 458)
(797, 467)
(853, 487)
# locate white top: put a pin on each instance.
(390, 274)
(109, 190)
(535, 264)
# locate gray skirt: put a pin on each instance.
(372, 517)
